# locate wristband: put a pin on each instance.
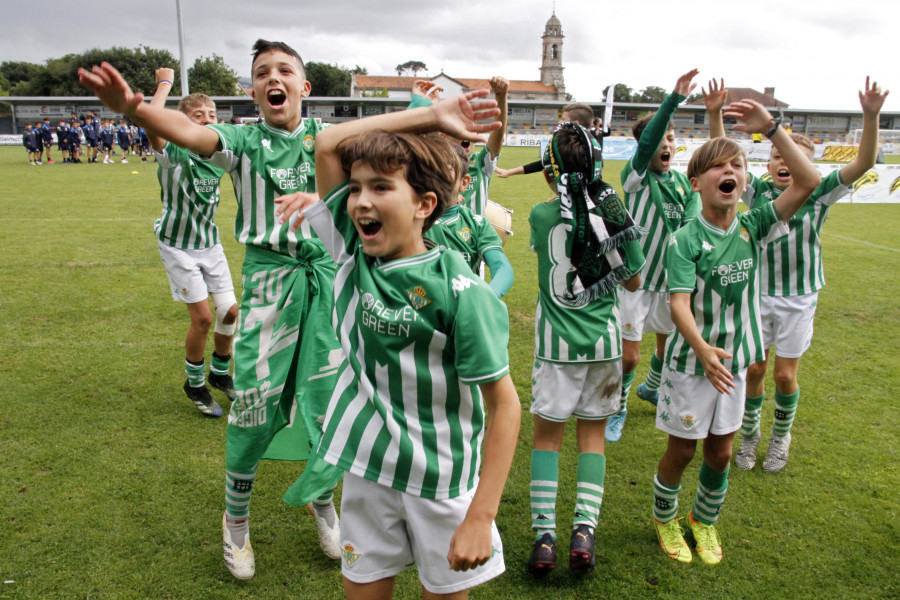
(771, 131)
(162, 81)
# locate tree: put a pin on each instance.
(327, 79)
(17, 72)
(621, 93)
(651, 94)
(211, 76)
(411, 67)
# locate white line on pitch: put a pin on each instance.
(849, 239)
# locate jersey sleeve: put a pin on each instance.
(487, 238)
(681, 264)
(331, 222)
(763, 224)
(831, 189)
(231, 139)
(634, 256)
(480, 330)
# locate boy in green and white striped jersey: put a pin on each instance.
(286, 353)
(660, 201)
(577, 357)
(712, 266)
(791, 276)
(426, 345)
(191, 251)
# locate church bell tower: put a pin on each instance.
(551, 61)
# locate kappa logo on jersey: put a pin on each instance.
(267, 144)
(707, 246)
(417, 297)
(348, 551)
(309, 141)
(768, 194)
(461, 282)
(688, 421)
(465, 234)
(745, 235)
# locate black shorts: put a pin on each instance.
(91, 143)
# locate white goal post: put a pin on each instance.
(888, 139)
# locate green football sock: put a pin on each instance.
(544, 486)
(665, 500)
(219, 364)
(589, 489)
(196, 373)
(785, 409)
(655, 373)
(752, 412)
(627, 380)
(710, 494)
(238, 487)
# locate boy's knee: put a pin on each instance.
(719, 459)
(756, 371)
(631, 356)
(202, 321)
(785, 377)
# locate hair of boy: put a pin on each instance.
(804, 142)
(462, 169)
(262, 46)
(429, 163)
(713, 153)
(192, 101)
(638, 128)
(580, 113)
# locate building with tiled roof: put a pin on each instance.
(551, 86)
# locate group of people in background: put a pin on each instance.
(84, 138)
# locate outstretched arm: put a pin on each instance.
(709, 356)
(457, 116)
(112, 89)
(500, 87)
(754, 118)
(871, 101)
(714, 101)
(164, 82)
(656, 129)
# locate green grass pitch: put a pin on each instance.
(112, 482)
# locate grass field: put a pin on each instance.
(112, 482)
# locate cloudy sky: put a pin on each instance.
(816, 53)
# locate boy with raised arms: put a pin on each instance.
(577, 359)
(285, 351)
(791, 276)
(712, 265)
(661, 201)
(426, 342)
(482, 162)
(192, 253)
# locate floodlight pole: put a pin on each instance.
(185, 89)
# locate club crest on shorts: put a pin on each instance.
(628, 327)
(465, 234)
(417, 297)
(348, 551)
(688, 421)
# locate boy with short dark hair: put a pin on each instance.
(62, 140)
(791, 275)
(577, 358)
(286, 355)
(661, 201)
(29, 140)
(123, 139)
(426, 344)
(712, 264)
(47, 136)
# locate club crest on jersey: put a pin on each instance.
(745, 235)
(688, 421)
(465, 234)
(417, 297)
(348, 551)
(308, 142)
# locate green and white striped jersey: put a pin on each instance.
(420, 334)
(189, 190)
(661, 203)
(564, 331)
(266, 163)
(481, 167)
(461, 230)
(719, 268)
(792, 266)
